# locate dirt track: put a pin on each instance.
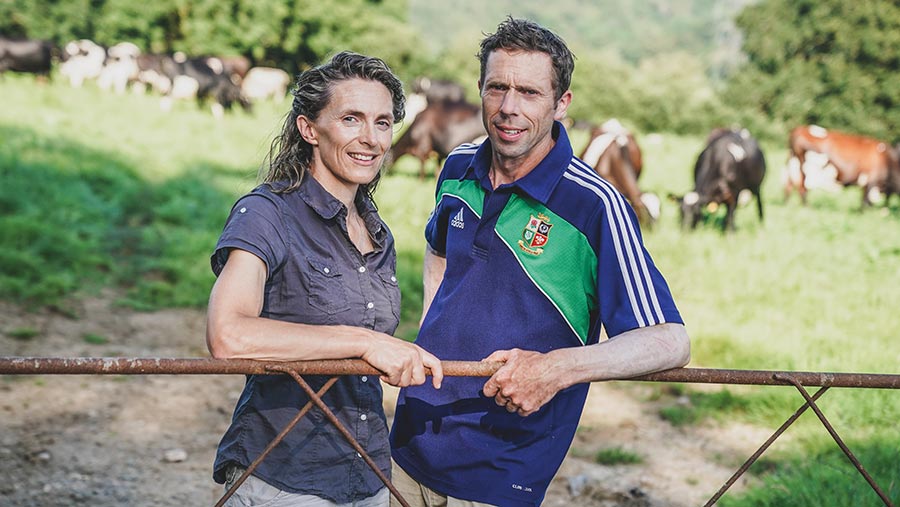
(119, 440)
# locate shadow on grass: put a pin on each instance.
(74, 218)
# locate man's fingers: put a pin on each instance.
(500, 356)
(491, 388)
(437, 371)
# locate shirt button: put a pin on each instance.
(358, 455)
(365, 378)
(393, 278)
(326, 270)
(370, 305)
(243, 210)
(362, 269)
(363, 417)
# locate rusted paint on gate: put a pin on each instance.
(209, 366)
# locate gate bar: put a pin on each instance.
(210, 366)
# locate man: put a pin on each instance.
(529, 254)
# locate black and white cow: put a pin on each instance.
(731, 163)
(83, 61)
(26, 55)
(204, 78)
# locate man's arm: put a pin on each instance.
(432, 275)
(530, 379)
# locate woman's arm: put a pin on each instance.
(234, 329)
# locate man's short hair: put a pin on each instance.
(522, 34)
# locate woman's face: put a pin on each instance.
(351, 135)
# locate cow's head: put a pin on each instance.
(690, 207)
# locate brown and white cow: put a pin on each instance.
(614, 153)
(858, 160)
(438, 129)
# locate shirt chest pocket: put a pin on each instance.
(392, 289)
(327, 292)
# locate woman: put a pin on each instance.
(306, 270)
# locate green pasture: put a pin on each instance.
(100, 191)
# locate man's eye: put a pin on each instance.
(383, 125)
(349, 119)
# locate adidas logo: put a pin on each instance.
(458, 220)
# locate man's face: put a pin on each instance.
(519, 107)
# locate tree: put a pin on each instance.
(828, 62)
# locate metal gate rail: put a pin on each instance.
(209, 366)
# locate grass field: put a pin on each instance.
(99, 190)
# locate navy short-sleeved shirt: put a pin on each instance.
(315, 276)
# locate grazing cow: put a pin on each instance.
(26, 55)
(614, 153)
(83, 60)
(731, 162)
(236, 67)
(858, 160)
(438, 90)
(157, 71)
(263, 83)
(203, 78)
(439, 128)
(120, 67)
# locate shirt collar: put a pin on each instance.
(317, 198)
(540, 182)
(328, 207)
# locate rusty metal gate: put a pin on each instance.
(336, 368)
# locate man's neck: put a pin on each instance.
(506, 170)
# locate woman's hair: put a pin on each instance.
(524, 35)
(290, 155)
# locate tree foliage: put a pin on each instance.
(661, 65)
(290, 34)
(828, 62)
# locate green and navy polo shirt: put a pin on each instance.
(538, 264)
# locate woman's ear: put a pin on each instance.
(307, 130)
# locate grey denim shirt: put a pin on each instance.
(315, 276)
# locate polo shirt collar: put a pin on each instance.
(542, 180)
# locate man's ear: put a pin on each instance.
(307, 130)
(562, 105)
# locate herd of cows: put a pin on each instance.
(730, 169)
(731, 165)
(221, 81)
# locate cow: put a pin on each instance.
(439, 128)
(120, 68)
(438, 90)
(614, 153)
(26, 55)
(202, 78)
(83, 60)
(236, 67)
(730, 163)
(858, 160)
(263, 83)
(157, 71)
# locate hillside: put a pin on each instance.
(636, 30)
